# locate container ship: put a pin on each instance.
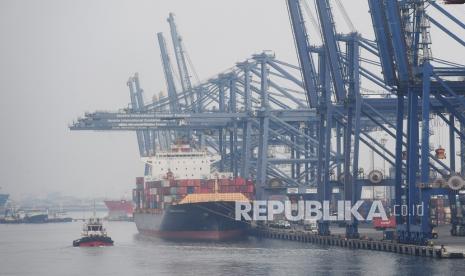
(181, 198)
(119, 210)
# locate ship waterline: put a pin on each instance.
(194, 221)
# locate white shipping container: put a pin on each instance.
(153, 191)
(311, 190)
(292, 190)
(221, 175)
(367, 192)
(165, 183)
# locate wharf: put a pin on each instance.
(445, 247)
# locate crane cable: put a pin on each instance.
(345, 16)
(315, 25)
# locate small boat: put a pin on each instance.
(93, 234)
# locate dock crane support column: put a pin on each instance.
(425, 166)
(221, 134)
(326, 118)
(262, 157)
(354, 110)
(247, 127)
(452, 152)
(233, 132)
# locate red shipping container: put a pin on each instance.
(182, 190)
(379, 223)
(250, 189)
(240, 181)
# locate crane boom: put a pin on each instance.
(180, 59)
(303, 50)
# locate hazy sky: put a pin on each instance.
(60, 58)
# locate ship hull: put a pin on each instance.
(119, 210)
(206, 221)
(93, 241)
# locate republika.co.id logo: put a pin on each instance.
(262, 210)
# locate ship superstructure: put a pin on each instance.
(182, 199)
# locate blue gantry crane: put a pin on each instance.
(322, 111)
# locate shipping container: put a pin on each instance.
(240, 181)
(165, 183)
(205, 190)
(190, 190)
(168, 199)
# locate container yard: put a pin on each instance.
(353, 146)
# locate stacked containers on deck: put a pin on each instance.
(237, 185)
(440, 210)
(156, 194)
(138, 193)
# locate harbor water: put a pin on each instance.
(45, 249)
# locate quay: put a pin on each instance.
(364, 243)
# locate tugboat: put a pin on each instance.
(93, 234)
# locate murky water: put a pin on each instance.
(46, 250)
